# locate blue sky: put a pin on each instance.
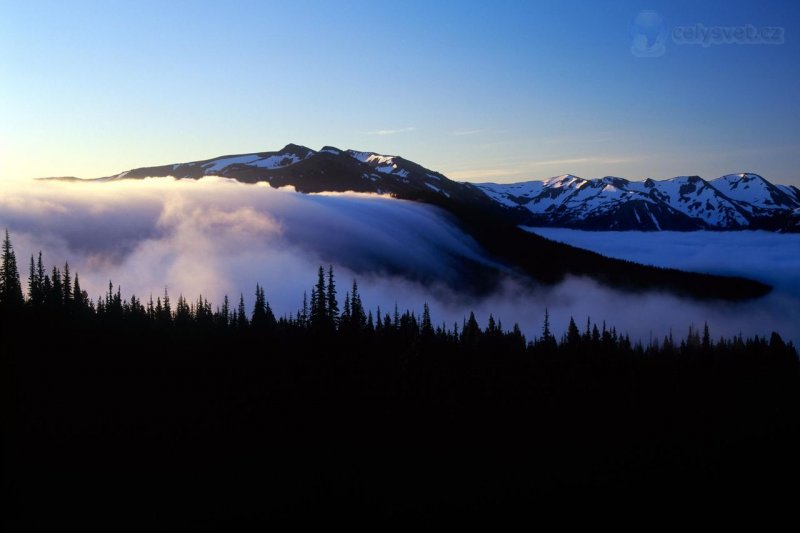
(481, 91)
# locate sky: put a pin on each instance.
(481, 91)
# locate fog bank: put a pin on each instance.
(216, 236)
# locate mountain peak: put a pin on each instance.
(330, 150)
(754, 190)
(562, 180)
(297, 149)
(615, 181)
(741, 177)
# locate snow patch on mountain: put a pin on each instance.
(219, 164)
(280, 159)
(385, 164)
(276, 161)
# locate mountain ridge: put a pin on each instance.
(684, 203)
(495, 226)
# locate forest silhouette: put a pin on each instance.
(175, 405)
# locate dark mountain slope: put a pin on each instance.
(550, 262)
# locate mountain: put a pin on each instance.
(492, 214)
(684, 203)
(327, 170)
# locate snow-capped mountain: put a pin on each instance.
(684, 203)
(327, 170)
(757, 193)
(736, 201)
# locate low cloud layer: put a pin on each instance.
(217, 236)
(773, 258)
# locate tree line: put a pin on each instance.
(56, 294)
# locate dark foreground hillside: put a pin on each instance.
(140, 411)
(142, 420)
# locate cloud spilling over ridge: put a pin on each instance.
(216, 236)
(219, 236)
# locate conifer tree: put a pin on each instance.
(32, 288)
(116, 302)
(346, 317)
(202, 312)
(10, 287)
(427, 326)
(518, 336)
(313, 316)
(109, 294)
(225, 312)
(78, 298)
(595, 335)
(319, 309)
(183, 314)
(330, 297)
(491, 327)
(776, 343)
(303, 318)
(40, 272)
(470, 330)
(573, 335)
(167, 307)
(42, 281)
(271, 321)
(57, 289)
(241, 314)
(322, 308)
(546, 334)
(358, 316)
(35, 296)
(67, 284)
(259, 316)
(163, 310)
(548, 339)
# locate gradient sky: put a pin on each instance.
(481, 91)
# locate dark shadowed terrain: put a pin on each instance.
(143, 411)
